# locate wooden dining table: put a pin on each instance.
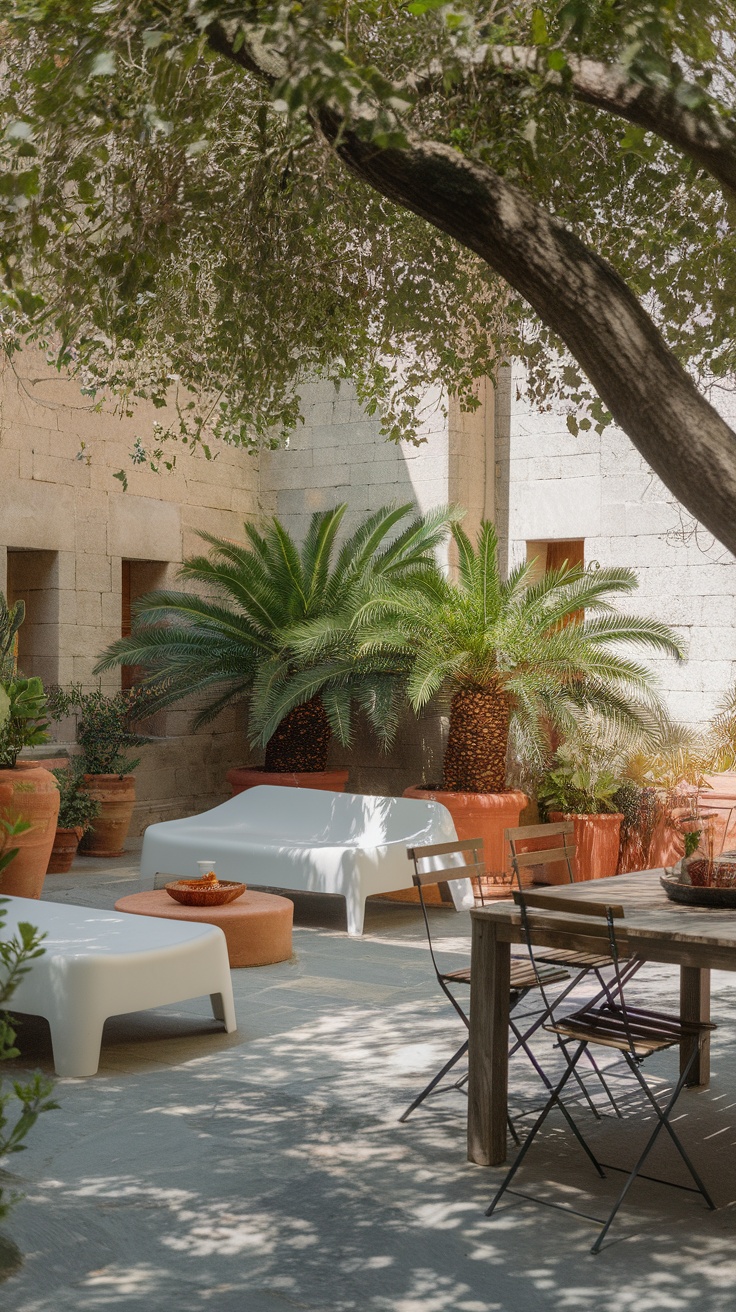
(694, 938)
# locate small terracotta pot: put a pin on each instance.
(109, 829)
(327, 781)
(31, 793)
(479, 815)
(64, 851)
(596, 840)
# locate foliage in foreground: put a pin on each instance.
(34, 1097)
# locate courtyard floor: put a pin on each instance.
(265, 1171)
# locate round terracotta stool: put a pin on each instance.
(257, 926)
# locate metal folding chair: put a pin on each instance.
(635, 1032)
(442, 862)
(581, 963)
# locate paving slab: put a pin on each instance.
(266, 1171)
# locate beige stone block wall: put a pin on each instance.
(68, 525)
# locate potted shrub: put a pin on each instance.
(230, 642)
(103, 733)
(28, 793)
(581, 787)
(77, 809)
(516, 658)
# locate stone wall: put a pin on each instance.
(339, 455)
(553, 485)
(66, 525)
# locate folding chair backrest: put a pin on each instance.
(594, 938)
(442, 862)
(462, 859)
(552, 854)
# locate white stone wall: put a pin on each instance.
(554, 485)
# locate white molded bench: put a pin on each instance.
(103, 963)
(304, 839)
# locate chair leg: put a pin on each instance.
(432, 1084)
(608, 1093)
(662, 1123)
(663, 1117)
(539, 1021)
(553, 1099)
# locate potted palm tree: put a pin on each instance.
(517, 659)
(230, 641)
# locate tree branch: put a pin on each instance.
(574, 291)
(704, 137)
(582, 298)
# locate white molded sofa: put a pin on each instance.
(305, 840)
(104, 963)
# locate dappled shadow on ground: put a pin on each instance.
(267, 1171)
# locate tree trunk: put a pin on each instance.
(572, 289)
(475, 759)
(301, 742)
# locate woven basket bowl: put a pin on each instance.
(182, 891)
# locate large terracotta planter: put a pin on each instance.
(480, 815)
(109, 829)
(327, 781)
(30, 792)
(596, 840)
(66, 842)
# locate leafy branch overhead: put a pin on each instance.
(400, 194)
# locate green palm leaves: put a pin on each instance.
(374, 621)
(543, 650)
(225, 641)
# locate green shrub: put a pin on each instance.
(77, 809)
(33, 1097)
(104, 726)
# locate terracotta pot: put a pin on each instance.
(596, 839)
(479, 815)
(327, 781)
(30, 792)
(109, 829)
(66, 842)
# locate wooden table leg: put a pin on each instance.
(695, 1005)
(488, 1054)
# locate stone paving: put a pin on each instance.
(266, 1171)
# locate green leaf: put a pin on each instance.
(540, 35)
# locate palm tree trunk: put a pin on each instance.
(475, 759)
(301, 742)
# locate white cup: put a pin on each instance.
(204, 868)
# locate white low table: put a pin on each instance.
(98, 964)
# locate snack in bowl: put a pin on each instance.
(207, 892)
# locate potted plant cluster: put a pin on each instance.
(28, 793)
(516, 660)
(230, 645)
(580, 786)
(77, 810)
(104, 732)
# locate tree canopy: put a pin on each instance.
(233, 199)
